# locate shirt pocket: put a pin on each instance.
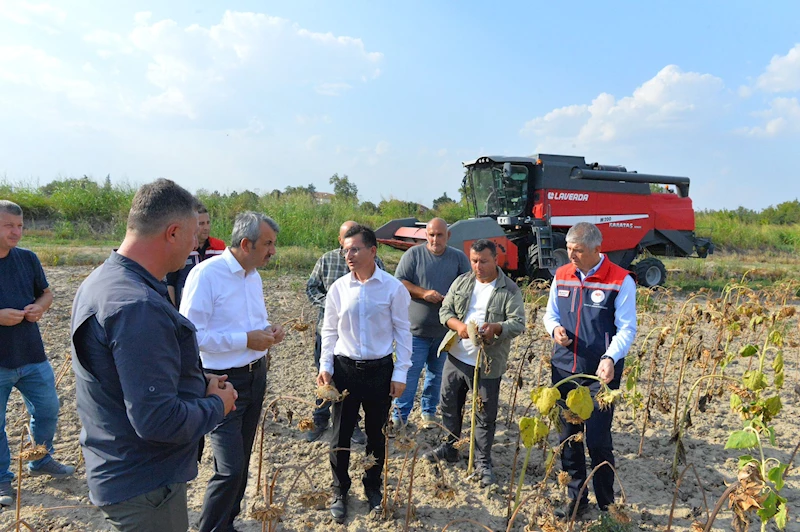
(379, 300)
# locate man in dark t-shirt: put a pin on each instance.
(208, 247)
(24, 297)
(427, 271)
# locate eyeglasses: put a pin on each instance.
(345, 252)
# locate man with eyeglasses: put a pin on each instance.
(366, 318)
(330, 267)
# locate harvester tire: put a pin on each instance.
(650, 272)
(559, 253)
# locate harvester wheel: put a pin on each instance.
(650, 272)
(559, 254)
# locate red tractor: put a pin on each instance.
(527, 204)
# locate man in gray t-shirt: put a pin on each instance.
(427, 272)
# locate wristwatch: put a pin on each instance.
(606, 357)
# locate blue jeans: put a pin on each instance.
(37, 385)
(423, 354)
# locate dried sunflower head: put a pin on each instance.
(300, 326)
(462, 444)
(314, 499)
(571, 418)
(366, 462)
(606, 397)
(404, 443)
(697, 526)
(563, 478)
(264, 513)
(329, 393)
(617, 511)
(306, 424)
(33, 453)
(444, 492)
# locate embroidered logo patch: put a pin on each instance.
(563, 293)
(598, 296)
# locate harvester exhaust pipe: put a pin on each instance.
(632, 177)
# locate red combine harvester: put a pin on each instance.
(527, 204)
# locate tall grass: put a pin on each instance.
(730, 234)
(81, 210)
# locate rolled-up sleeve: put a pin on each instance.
(197, 304)
(401, 328)
(150, 376)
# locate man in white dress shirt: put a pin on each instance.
(366, 318)
(224, 299)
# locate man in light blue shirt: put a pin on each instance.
(591, 315)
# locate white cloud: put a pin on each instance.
(42, 16)
(312, 144)
(32, 68)
(333, 89)
(782, 74)
(783, 116)
(170, 102)
(673, 100)
(307, 120)
(745, 91)
(108, 42)
(239, 57)
(382, 148)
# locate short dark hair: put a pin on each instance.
(158, 204)
(9, 207)
(201, 209)
(367, 235)
(480, 245)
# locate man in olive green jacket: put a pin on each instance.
(494, 303)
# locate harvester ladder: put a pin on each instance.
(544, 243)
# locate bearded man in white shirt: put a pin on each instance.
(224, 299)
(366, 318)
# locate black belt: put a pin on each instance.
(250, 368)
(365, 364)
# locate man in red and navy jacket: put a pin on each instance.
(591, 315)
(208, 247)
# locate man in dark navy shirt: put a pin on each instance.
(142, 397)
(24, 297)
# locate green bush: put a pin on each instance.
(80, 209)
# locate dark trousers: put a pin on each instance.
(598, 441)
(160, 510)
(232, 443)
(368, 386)
(456, 386)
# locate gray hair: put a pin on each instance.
(9, 207)
(248, 225)
(159, 204)
(585, 233)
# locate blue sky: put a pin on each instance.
(261, 95)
